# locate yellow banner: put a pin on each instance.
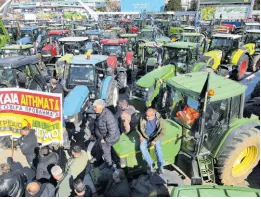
(37, 110)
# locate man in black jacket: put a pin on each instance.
(106, 129)
(47, 160)
(80, 189)
(56, 87)
(28, 144)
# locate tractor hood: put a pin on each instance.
(74, 100)
(24, 40)
(163, 40)
(214, 54)
(148, 80)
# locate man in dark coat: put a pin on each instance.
(56, 87)
(36, 189)
(106, 129)
(12, 184)
(47, 160)
(28, 144)
(81, 190)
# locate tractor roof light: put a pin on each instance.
(211, 93)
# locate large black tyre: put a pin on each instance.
(255, 63)
(122, 80)
(113, 96)
(239, 158)
(242, 67)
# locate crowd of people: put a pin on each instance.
(57, 172)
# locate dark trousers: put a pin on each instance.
(30, 159)
(106, 148)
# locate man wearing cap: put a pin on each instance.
(106, 129)
(56, 87)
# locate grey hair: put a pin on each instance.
(56, 170)
(99, 102)
(124, 102)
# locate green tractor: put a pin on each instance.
(197, 38)
(207, 139)
(227, 55)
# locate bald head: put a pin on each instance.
(33, 188)
(150, 114)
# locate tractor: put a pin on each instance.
(93, 72)
(198, 38)
(163, 25)
(23, 72)
(128, 26)
(79, 31)
(226, 52)
(149, 34)
(253, 37)
(121, 57)
(206, 138)
(50, 50)
(73, 45)
(17, 50)
(13, 30)
(29, 35)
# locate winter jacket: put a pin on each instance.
(58, 89)
(16, 184)
(106, 127)
(76, 166)
(88, 192)
(120, 189)
(158, 133)
(28, 143)
(44, 165)
(63, 188)
(46, 190)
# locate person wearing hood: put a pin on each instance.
(36, 189)
(47, 160)
(151, 130)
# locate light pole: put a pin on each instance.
(198, 7)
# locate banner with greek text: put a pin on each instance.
(38, 110)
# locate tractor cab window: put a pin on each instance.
(81, 75)
(221, 44)
(191, 39)
(149, 35)
(252, 38)
(254, 27)
(6, 78)
(112, 50)
(235, 107)
(185, 110)
(177, 56)
(26, 33)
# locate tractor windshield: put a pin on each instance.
(6, 78)
(112, 50)
(252, 37)
(190, 39)
(26, 33)
(175, 56)
(190, 30)
(81, 75)
(147, 35)
(253, 27)
(221, 44)
(56, 37)
(110, 35)
(186, 110)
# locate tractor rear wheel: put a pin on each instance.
(122, 80)
(255, 63)
(239, 158)
(113, 96)
(242, 67)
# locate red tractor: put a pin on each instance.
(51, 49)
(120, 56)
(129, 26)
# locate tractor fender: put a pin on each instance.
(129, 58)
(250, 48)
(198, 66)
(106, 86)
(240, 127)
(216, 55)
(236, 55)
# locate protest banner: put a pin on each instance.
(38, 110)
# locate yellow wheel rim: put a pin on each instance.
(244, 161)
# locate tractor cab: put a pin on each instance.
(137, 23)
(13, 30)
(73, 45)
(127, 25)
(95, 37)
(197, 38)
(253, 36)
(28, 35)
(182, 55)
(79, 31)
(110, 34)
(51, 48)
(17, 50)
(149, 34)
(132, 40)
(23, 72)
(163, 25)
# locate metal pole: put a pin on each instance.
(198, 7)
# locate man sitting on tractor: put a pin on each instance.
(151, 130)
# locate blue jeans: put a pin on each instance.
(146, 154)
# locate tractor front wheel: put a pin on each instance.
(255, 63)
(239, 158)
(122, 80)
(242, 67)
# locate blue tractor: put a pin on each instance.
(86, 78)
(29, 35)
